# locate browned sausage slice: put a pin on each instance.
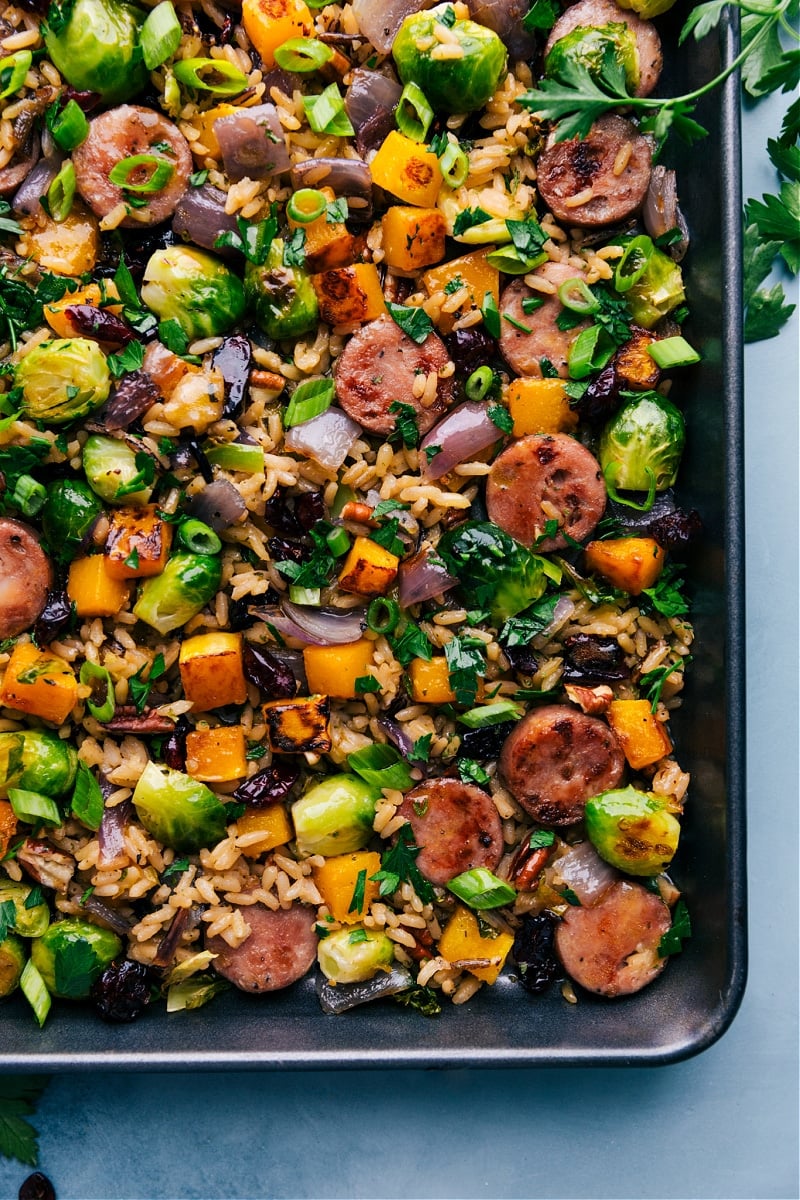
(123, 132)
(555, 759)
(541, 478)
(25, 577)
(380, 365)
(609, 169)
(456, 826)
(281, 948)
(606, 12)
(527, 338)
(612, 948)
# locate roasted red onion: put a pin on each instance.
(349, 177)
(252, 143)
(326, 438)
(18, 170)
(464, 432)
(505, 18)
(28, 198)
(397, 735)
(421, 577)
(219, 505)
(661, 211)
(111, 834)
(183, 922)
(339, 997)
(369, 94)
(326, 626)
(379, 20)
(108, 915)
(133, 394)
(561, 614)
(200, 217)
(583, 871)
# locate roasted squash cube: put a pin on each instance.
(138, 542)
(211, 669)
(634, 367)
(430, 681)
(461, 939)
(298, 726)
(216, 755)
(346, 885)
(471, 271)
(93, 591)
(270, 23)
(8, 826)
(333, 670)
(39, 683)
(271, 822)
(349, 295)
(413, 237)
(643, 738)
(407, 170)
(539, 406)
(328, 244)
(93, 294)
(630, 563)
(369, 569)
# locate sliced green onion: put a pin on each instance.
(305, 595)
(610, 474)
(344, 495)
(491, 714)
(479, 383)
(383, 615)
(633, 264)
(306, 205)
(161, 172)
(198, 537)
(70, 127)
(381, 766)
(551, 570)
(101, 703)
(29, 495)
(309, 399)
(160, 36)
(33, 807)
(302, 55)
(481, 889)
(326, 113)
(236, 456)
(575, 295)
(225, 79)
(338, 541)
(61, 192)
(33, 989)
(512, 261)
(454, 165)
(491, 315)
(591, 351)
(414, 115)
(672, 352)
(13, 70)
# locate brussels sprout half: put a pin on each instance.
(36, 761)
(193, 288)
(283, 298)
(178, 810)
(111, 468)
(459, 83)
(72, 954)
(63, 380)
(335, 816)
(28, 921)
(632, 830)
(186, 584)
(492, 568)
(354, 954)
(641, 447)
(12, 964)
(68, 513)
(97, 49)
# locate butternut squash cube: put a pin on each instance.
(328, 244)
(643, 738)
(93, 591)
(539, 406)
(471, 271)
(68, 247)
(369, 569)
(270, 23)
(138, 542)
(216, 755)
(272, 822)
(633, 364)
(338, 878)
(39, 683)
(461, 939)
(413, 237)
(630, 563)
(298, 726)
(211, 669)
(407, 170)
(8, 826)
(430, 681)
(333, 670)
(349, 295)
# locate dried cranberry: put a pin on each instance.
(270, 675)
(37, 1187)
(239, 615)
(232, 359)
(269, 785)
(123, 991)
(54, 617)
(99, 323)
(601, 398)
(174, 749)
(534, 952)
(293, 516)
(484, 744)
(522, 658)
(309, 508)
(676, 530)
(282, 549)
(470, 348)
(589, 657)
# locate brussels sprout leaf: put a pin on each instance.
(7, 913)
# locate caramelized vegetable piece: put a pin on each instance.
(270, 23)
(369, 569)
(407, 170)
(643, 738)
(631, 564)
(8, 826)
(216, 755)
(272, 823)
(346, 885)
(472, 271)
(462, 940)
(138, 543)
(540, 406)
(349, 295)
(93, 591)
(39, 683)
(430, 681)
(413, 237)
(298, 726)
(328, 244)
(212, 673)
(334, 670)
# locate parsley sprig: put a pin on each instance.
(19, 1095)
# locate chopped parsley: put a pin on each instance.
(681, 929)
(470, 771)
(405, 426)
(140, 688)
(466, 664)
(18, 1097)
(666, 596)
(359, 892)
(469, 217)
(398, 865)
(500, 416)
(411, 642)
(420, 752)
(366, 683)
(413, 321)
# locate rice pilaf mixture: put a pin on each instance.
(341, 606)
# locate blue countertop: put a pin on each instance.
(722, 1125)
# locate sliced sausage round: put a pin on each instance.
(121, 133)
(281, 948)
(456, 826)
(26, 576)
(379, 366)
(555, 759)
(606, 12)
(612, 948)
(610, 168)
(527, 338)
(541, 478)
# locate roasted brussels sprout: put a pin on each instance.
(186, 584)
(335, 816)
(36, 761)
(493, 569)
(641, 447)
(12, 964)
(31, 914)
(72, 954)
(177, 810)
(354, 954)
(113, 468)
(69, 511)
(650, 280)
(588, 46)
(193, 288)
(647, 8)
(283, 298)
(456, 82)
(96, 47)
(63, 380)
(633, 830)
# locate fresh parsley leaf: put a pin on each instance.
(431, 452)
(129, 359)
(540, 838)
(541, 16)
(366, 683)
(411, 642)
(145, 474)
(357, 935)
(767, 313)
(522, 629)
(336, 212)
(398, 865)
(527, 236)
(87, 799)
(778, 217)
(469, 217)
(140, 688)
(665, 596)
(405, 426)
(570, 896)
(453, 285)
(198, 178)
(18, 1098)
(423, 999)
(174, 870)
(318, 567)
(785, 157)
(34, 897)
(359, 892)
(75, 968)
(547, 369)
(681, 929)
(387, 537)
(420, 752)
(294, 249)
(470, 771)
(414, 322)
(466, 664)
(173, 337)
(491, 315)
(499, 415)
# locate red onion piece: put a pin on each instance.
(133, 394)
(583, 871)
(12, 176)
(421, 577)
(326, 626)
(368, 93)
(349, 177)
(111, 834)
(505, 18)
(465, 431)
(397, 735)
(326, 438)
(661, 211)
(183, 922)
(28, 198)
(252, 143)
(108, 915)
(200, 217)
(219, 505)
(561, 614)
(379, 20)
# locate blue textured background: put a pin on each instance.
(723, 1125)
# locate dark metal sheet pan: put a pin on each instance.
(694, 1001)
